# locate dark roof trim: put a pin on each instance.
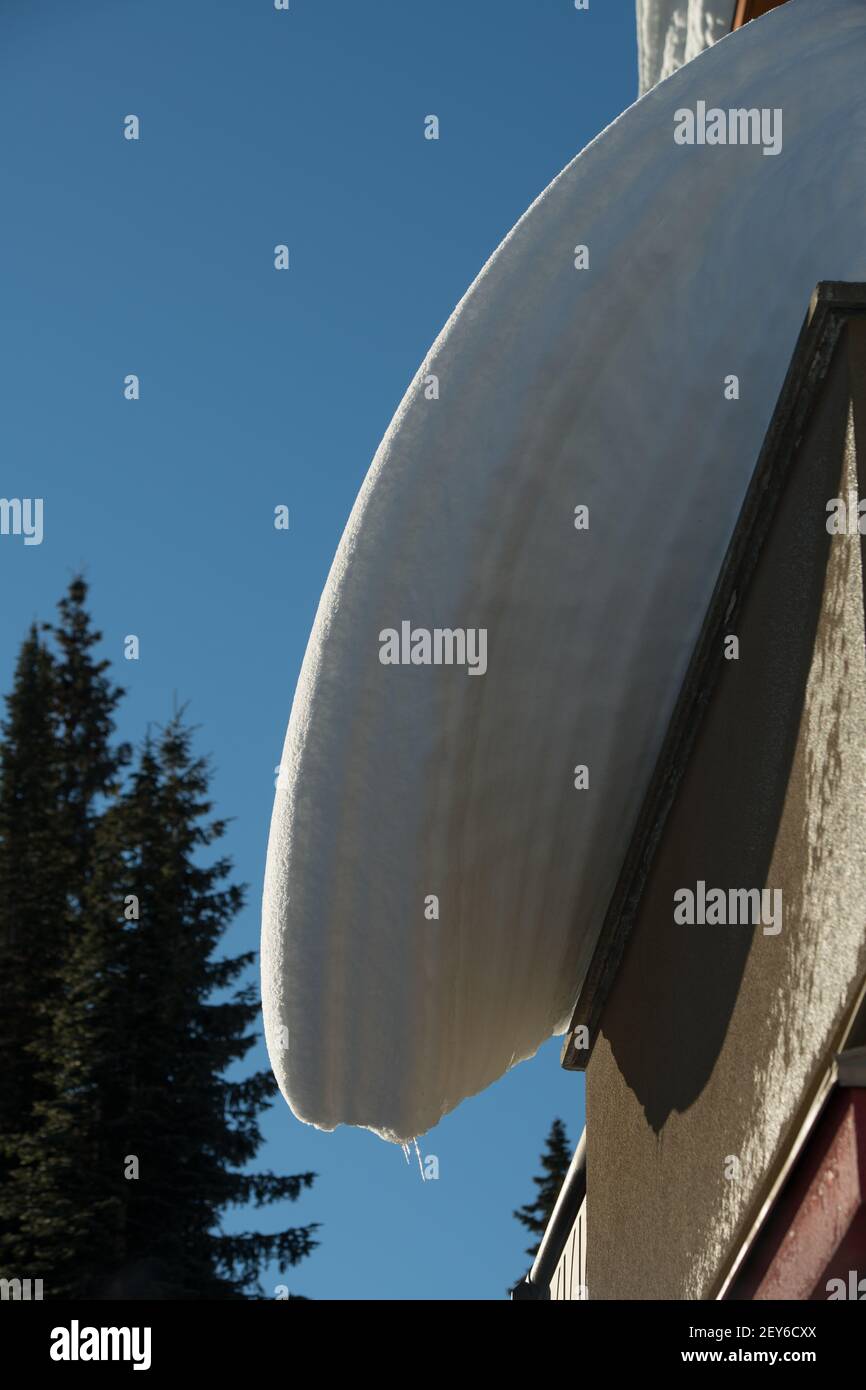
(832, 304)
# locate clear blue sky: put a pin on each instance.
(260, 388)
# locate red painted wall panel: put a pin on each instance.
(817, 1229)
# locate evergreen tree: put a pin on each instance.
(57, 766)
(193, 1130)
(555, 1161)
(138, 1141)
(33, 876)
(91, 763)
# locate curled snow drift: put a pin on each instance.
(558, 388)
(672, 32)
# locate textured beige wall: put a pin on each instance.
(712, 1034)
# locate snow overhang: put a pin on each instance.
(446, 840)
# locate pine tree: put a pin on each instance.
(555, 1161)
(33, 874)
(191, 1130)
(58, 766)
(141, 1147)
(91, 762)
(137, 1141)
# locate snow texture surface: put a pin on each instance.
(558, 387)
(672, 32)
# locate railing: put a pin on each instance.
(567, 1221)
(569, 1277)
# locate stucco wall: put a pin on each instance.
(712, 1034)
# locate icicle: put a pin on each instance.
(420, 1164)
(405, 1148)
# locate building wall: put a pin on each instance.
(712, 1035)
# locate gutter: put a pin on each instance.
(536, 1284)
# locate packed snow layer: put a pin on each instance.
(557, 388)
(672, 32)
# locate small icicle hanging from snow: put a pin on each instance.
(420, 1164)
(405, 1148)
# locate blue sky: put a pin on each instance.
(260, 388)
